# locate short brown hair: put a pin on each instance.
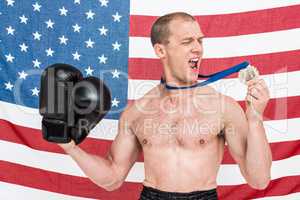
(160, 29)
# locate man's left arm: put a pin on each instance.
(246, 137)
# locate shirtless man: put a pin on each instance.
(182, 132)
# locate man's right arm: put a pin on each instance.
(109, 172)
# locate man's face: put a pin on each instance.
(184, 50)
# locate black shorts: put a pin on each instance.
(149, 193)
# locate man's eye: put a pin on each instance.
(186, 42)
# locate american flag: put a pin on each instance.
(110, 40)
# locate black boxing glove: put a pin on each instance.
(91, 101)
(70, 105)
(56, 86)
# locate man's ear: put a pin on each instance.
(159, 50)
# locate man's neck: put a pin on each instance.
(176, 92)
(175, 85)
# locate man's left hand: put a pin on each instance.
(257, 98)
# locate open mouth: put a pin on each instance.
(194, 63)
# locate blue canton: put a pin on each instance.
(90, 35)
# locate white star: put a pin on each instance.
(63, 11)
(115, 102)
(36, 36)
(103, 3)
(23, 19)
(36, 7)
(35, 92)
(116, 17)
(23, 47)
(9, 58)
(103, 30)
(116, 73)
(49, 23)
(116, 46)
(22, 75)
(90, 15)
(76, 56)
(10, 30)
(89, 43)
(36, 63)
(49, 52)
(8, 85)
(76, 28)
(89, 71)
(76, 1)
(102, 59)
(63, 40)
(10, 2)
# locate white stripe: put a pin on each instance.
(30, 117)
(293, 196)
(277, 130)
(20, 115)
(233, 46)
(17, 192)
(203, 7)
(282, 130)
(280, 85)
(24, 155)
(228, 175)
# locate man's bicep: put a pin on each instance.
(125, 148)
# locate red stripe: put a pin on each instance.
(62, 183)
(280, 108)
(78, 186)
(277, 187)
(151, 69)
(32, 138)
(260, 21)
(280, 150)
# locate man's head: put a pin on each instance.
(160, 31)
(177, 41)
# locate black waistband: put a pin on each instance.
(149, 193)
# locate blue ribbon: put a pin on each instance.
(212, 78)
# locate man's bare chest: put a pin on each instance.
(164, 129)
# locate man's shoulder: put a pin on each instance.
(134, 108)
(231, 107)
(229, 101)
(219, 98)
(213, 91)
(129, 112)
(206, 89)
(208, 92)
(153, 94)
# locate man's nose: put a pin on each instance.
(197, 47)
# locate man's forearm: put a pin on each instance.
(100, 170)
(258, 154)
